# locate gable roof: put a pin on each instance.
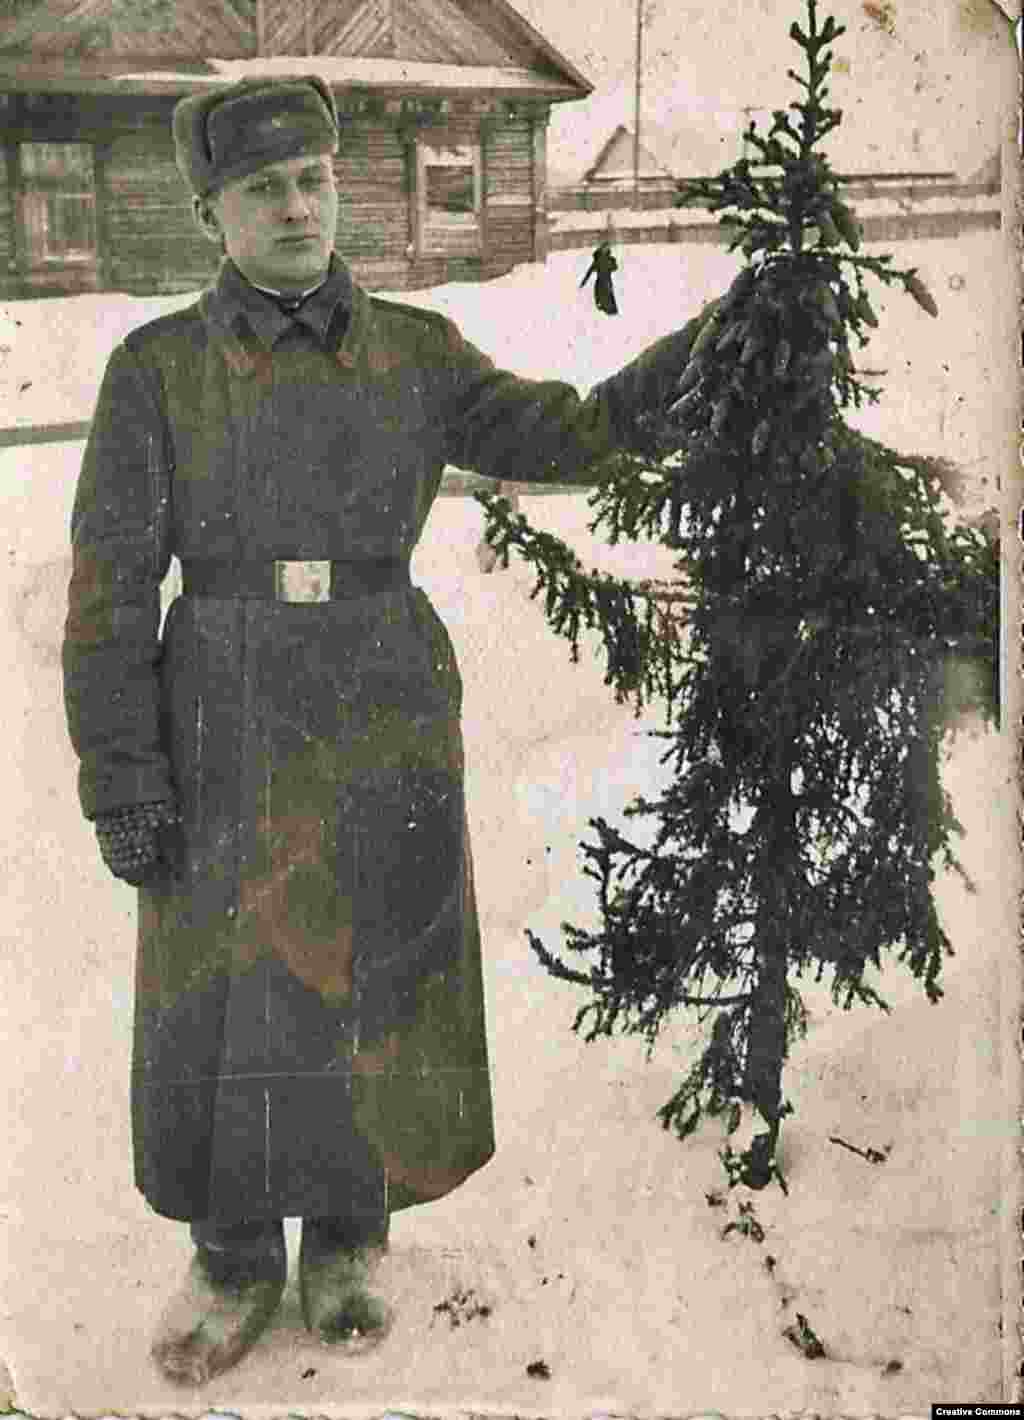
(430, 45)
(615, 160)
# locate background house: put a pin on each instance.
(909, 181)
(613, 168)
(445, 106)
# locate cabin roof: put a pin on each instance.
(383, 46)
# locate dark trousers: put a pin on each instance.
(364, 1224)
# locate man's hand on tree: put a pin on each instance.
(141, 842)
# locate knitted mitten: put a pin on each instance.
(140, 841)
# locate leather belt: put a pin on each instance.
(283, 580)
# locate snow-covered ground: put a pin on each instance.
(589, 1236)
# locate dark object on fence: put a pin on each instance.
(602, 265)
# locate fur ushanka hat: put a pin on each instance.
(228, 134)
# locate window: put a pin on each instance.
(448, 197)
(59, 202)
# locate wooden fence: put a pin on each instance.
(931, 206)
(903, 187)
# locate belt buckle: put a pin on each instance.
(308, 581)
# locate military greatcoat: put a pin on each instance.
(309, 999)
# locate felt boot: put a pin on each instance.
(337, 1262)
(231, 1291)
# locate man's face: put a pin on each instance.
(278, 224)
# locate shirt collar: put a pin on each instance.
(240, 302)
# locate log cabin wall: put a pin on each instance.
(373, 198)
(509, 194)
(152, 245)
(377, 172)
(444, 107)
(147, 242)
(145, 238)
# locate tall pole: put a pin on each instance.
(636, 103)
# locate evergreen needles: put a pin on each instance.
(829, 626)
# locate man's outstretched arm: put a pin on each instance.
(541, 431)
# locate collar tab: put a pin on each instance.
(248, 322)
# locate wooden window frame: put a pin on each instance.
(431, 241)
(34, 186)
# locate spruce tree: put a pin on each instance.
(809, 656)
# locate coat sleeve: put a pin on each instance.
(119, 558)
(541, 431)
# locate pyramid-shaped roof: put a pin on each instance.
(615, 161)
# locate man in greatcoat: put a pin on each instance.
(279, 771)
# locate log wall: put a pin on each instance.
(911, 188)
(148, 243)
(373, 198)
(152, 245)
(377, 224)
(508, 195)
